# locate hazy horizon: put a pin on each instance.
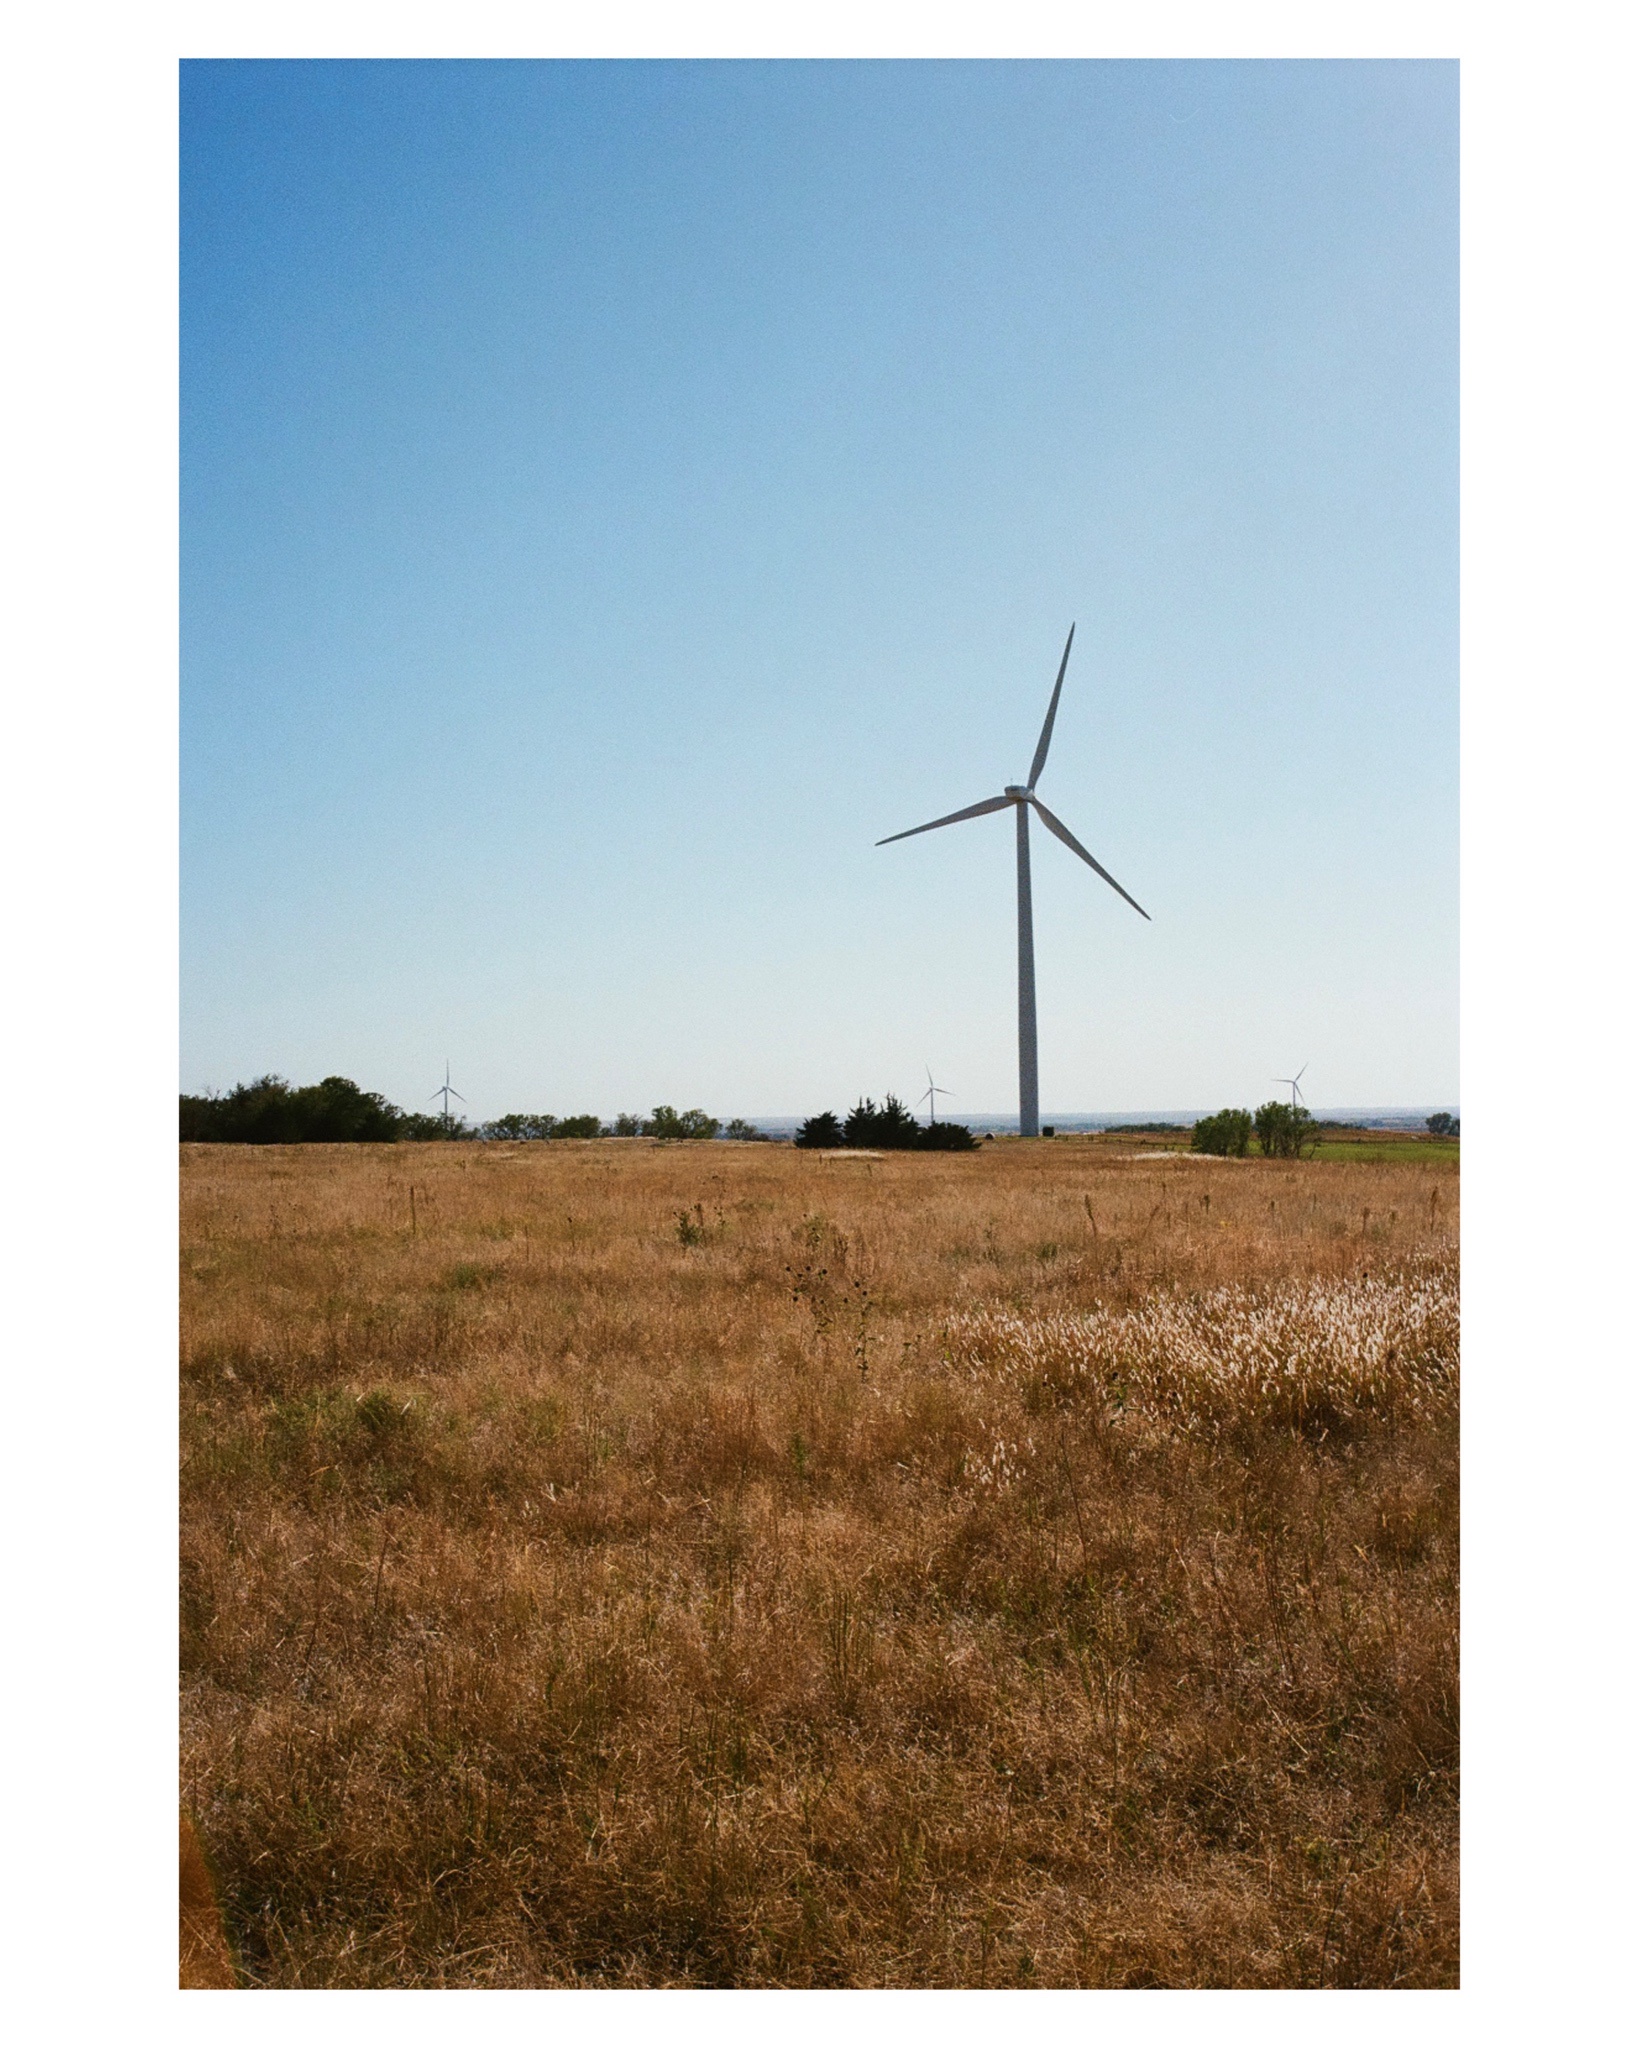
(775, 1119)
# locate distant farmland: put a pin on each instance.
(633, 1564)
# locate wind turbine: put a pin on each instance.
(446, 1091)
(1291, 1081)
(932, 1091)
(1024, 799)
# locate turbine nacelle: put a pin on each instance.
(1017, 792)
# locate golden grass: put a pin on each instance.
(722, 1565)
(203, 1962)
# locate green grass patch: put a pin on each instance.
(1389, 1148)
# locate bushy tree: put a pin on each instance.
(1285, 1132)
(627, 1125)
(1443, 1124)
(890, 1128)
(666, 1122)
(820, 1133)
(1226, 1135)
(737, 1127)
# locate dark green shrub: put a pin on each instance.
(820, 1133)
(1226, 1135)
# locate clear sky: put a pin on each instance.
(616, 495)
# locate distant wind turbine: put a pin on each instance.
(930, 1093)
(1291, 1081)
(446, 1091)
(1024, 799)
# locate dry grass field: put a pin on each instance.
(721, 1565)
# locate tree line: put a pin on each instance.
(336, 1111)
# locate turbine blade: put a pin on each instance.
(1063, 832)
(992, 803)
(1040, 762)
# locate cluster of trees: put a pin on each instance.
(665, 1122)
(270, 1111)
(673, 1124)
(1282, 1132)
(1285, 1132)
(1228, 1135)
(336, 1111)
(518, 1123)
(662, 1122)
(891, 1128)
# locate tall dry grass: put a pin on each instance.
(729, 1566)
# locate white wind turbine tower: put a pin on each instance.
(1024, 799)
(1291, 1081)
(446, 1091)
(930, 1092)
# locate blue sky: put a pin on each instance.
(615, 495)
